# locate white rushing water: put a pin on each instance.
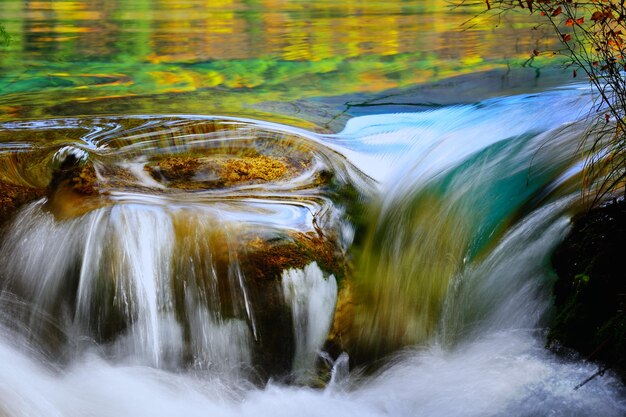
(122, 260)
(485, 358)
(312, 298)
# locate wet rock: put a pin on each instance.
(73, 189)
(590, 293)
(235, 205)
(343, 321)
(71, 167)
(13, 196)
(260, 168)
(222, 170)
(175, 168)
(267, 259)
(264, 262)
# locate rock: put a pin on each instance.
(218, 171)
(590, 292)
(264, 261)
(73, 189)
(222, 167)
(239, 206)
(13, 196)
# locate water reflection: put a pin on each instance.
(155, 56)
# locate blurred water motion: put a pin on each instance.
(180, 233)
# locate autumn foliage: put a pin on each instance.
(592, 37)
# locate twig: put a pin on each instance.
(600, 372)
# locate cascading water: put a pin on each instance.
(312, 298)
(155, 270)
(180, 291)
(461, 179)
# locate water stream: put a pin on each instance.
(148, 283)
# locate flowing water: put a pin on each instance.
(140, 301)
(387, 256)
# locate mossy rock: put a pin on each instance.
(590, 292)
(219, 171)
(266, 259)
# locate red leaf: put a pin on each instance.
(557, 11)
(569, 22)
(597, 15)
(535, 52)
(580, 21)
(567, 37)
(607, 117)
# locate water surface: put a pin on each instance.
(266, 59)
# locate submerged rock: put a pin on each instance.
(590, 293)
(217, 171)
(223, 157)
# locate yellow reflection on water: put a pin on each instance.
(279, 50)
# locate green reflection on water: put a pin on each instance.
(231, 56)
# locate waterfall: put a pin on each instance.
(312, 298)
(110, 277)
(161, 300)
